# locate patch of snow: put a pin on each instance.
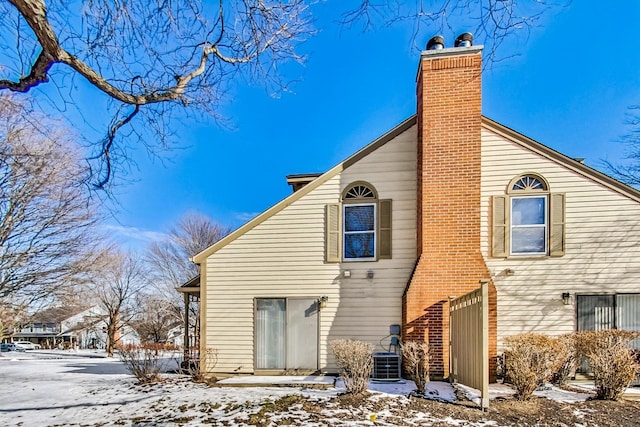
(552, 392)
(442, 391)
(68, 389)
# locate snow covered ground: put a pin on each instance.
(83, 388)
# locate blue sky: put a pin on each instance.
(569, 87)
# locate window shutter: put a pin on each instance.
(556, 224)
(384, 239)
(333, 233)
(500, 232)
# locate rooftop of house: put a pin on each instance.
(57, 314)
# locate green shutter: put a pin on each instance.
(556, 224)
(384, 239)
(500, 229)
(333, 233)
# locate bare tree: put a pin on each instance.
(168, 259)
(148, 57)
(47, 220)
(154, 319)
(10, 317)
(170, 267)
(115, 289)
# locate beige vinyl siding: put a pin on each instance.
(284, 256)
(602, 246)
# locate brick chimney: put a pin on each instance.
(449, 259)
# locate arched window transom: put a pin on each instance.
(359, 192)
(529, 183)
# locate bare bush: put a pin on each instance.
(571, 360)
(611, 360)
(530, 360)
(198, 368)
(145, 362)
(416, 356)
(355, 359)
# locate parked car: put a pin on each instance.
(25, 345)
(9, 346)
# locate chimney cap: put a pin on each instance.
(464, 40)
(435, 43)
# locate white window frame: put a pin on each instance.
(345, 232)
(545, 225)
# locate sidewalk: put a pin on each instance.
(52, 354)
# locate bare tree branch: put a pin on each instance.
(161, 57)
(629, 171)
(145, 54)
(491, 21)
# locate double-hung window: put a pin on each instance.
(529, 225)
(359, 231)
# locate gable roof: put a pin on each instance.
(566, 161)
(57, 314)
(487, 123)
(371, 147)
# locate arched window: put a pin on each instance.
(529, 220)
(359, 204)
(359, 227)
(529, 225)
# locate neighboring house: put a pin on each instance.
(66, 327)
(126, 335)
(175, 336)
(425, 212)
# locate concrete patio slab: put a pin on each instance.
(309, 381)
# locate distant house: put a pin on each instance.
(65, 327)
(127, 336)
(444, 200)
(175, 336)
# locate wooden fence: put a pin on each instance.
(469, 335)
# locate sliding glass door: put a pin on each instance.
(612, 311)
(270, 333)
(286, 333)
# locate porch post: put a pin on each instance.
(185, 349)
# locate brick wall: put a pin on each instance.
(449, 258)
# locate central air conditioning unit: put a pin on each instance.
(386, 367)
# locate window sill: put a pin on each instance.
(527, 257)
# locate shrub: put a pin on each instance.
(143, 361)
(571, 360)
(530, 360)
(612, 362)
(355, 359)
(415, 356)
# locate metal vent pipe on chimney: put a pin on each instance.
(464, 40)
(435, 43)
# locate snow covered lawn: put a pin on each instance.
(39, 389)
